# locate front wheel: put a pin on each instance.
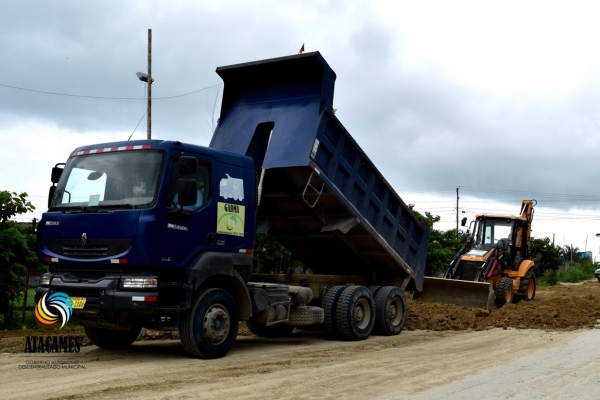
(504, 291)
(209, 328)
(112, 338)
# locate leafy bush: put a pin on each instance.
(578, 273)
(548, 278)
(17, 252)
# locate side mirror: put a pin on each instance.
(187, 191)
(463, 221)
(187, 165)
(56, 173)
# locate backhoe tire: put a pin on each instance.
(112, 339)
(504, 291)
(209, 328)
(390, 311)
(355, 313)
(306, 316)
(528, 285)
(273, 331)
(329, 305)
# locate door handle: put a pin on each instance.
(211, 238)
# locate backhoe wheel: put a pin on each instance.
(528, 286)
(113, 339)
(329, 305)
(355, 313)
(209, 328)
(390, 311)
(504, 291)
(272, 331)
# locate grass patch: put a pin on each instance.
(577, 273)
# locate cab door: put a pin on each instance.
(189, 231)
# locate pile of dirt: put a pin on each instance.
(561, 307)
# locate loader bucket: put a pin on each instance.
(462, 293)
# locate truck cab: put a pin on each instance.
(134, 228)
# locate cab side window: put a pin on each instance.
(201, 176)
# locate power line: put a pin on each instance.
(105, 97)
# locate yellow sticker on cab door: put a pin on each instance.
(230, 219)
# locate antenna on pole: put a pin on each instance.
(149, 115)
(457, 211)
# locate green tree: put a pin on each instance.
(443, 245)
(570, 253)
(12, 204)
(17, 251)
(551, 256)
(271, 257)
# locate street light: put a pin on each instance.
(144, 77)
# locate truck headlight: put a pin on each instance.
(137, 282)
(45, 279)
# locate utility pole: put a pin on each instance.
(149, 119)
(457, 211)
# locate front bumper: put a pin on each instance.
(106, 302)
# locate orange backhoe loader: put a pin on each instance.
(493, 267)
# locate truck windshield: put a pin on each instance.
(123, 179)
(488, 231)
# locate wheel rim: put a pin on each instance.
(395, 312)
(362, 313)
(530, 288)
(216, 324)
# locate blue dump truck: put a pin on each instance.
(160, 234)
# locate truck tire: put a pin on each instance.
(390, 311)
(209, 328)
(329, 305)
(504, 291)
(273, 331)
(306, 316)
(113, 339)
(374, 290)
(355, 313)
(527, 287)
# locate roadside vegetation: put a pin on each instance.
(17, 255)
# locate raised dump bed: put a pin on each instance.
(320, 195)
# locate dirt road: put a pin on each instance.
(424, 364)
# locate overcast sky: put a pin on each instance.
(499, 98)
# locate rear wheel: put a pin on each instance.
(390, 311)
(209, 328)
(112, 338)
(504, 291)
(329, 305)
(528, 286)
(355, 313)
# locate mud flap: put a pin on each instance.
(462, 293)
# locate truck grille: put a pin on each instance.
(94, 248)
(469, 270)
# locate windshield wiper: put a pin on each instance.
(114, 206)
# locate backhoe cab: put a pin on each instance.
(493, 266)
